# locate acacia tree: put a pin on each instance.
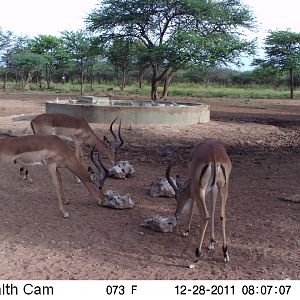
(25, 64)
(51, 48)
(282, 53)
(5, 39)
(12, 59)
(176, 32)
(6, 43)
(81, 47)
(121, 55)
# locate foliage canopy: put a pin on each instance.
(175, 33)
(282, 53)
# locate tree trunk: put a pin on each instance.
(91, 78)
(22, 82)
(91, 82)
(5, 79)
(154, 92)
(16, 79)
(28, 80)
(141, 78)
(123, 80)
(167, 80)
(81, 76)
(39, 79)
(154, 84)
(291, 83)
(118, 77)
(48, 76)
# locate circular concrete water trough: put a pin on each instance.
(104, 110)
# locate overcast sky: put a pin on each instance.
(275, 15)
(34, 17)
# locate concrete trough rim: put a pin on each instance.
(184, 113)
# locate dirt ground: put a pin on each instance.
(263, 231)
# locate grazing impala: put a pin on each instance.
(52, 152)
(79, 131)
(209, 169)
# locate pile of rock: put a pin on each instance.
(122, 170)
(160, 223)
(160, 187)
(114, 200)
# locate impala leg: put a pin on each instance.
(214, 195)
(78, 154)
(186, 233)
(200, 200)
(56, 178)
(63, 197)
(224, 195)
(81, 156)
(23, 171)
(24, 174)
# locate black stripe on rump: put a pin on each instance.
(224, 173)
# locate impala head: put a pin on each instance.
(116, 144)
(182, 193)
(103, 173)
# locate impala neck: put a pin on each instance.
(78, 170)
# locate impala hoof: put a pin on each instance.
(211, 245)
(185, 233)
(226, 258)
(198, 254)
(190, 266)
(225, 252)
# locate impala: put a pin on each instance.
(79, 131)
(209, 169)
(51, 151)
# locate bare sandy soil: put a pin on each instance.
(262, 138)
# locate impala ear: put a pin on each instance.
(93, 175)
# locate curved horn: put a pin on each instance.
(116, 143)
(111, 130)
(172, 184)
(92, 157)
(120, 138)
(103, 167)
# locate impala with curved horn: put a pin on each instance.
(51, 151)
(209, 169)
(78, 130)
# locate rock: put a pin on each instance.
(292, 198)
(160, 223)
(122, 170)
(114, 200)
(161, 188)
